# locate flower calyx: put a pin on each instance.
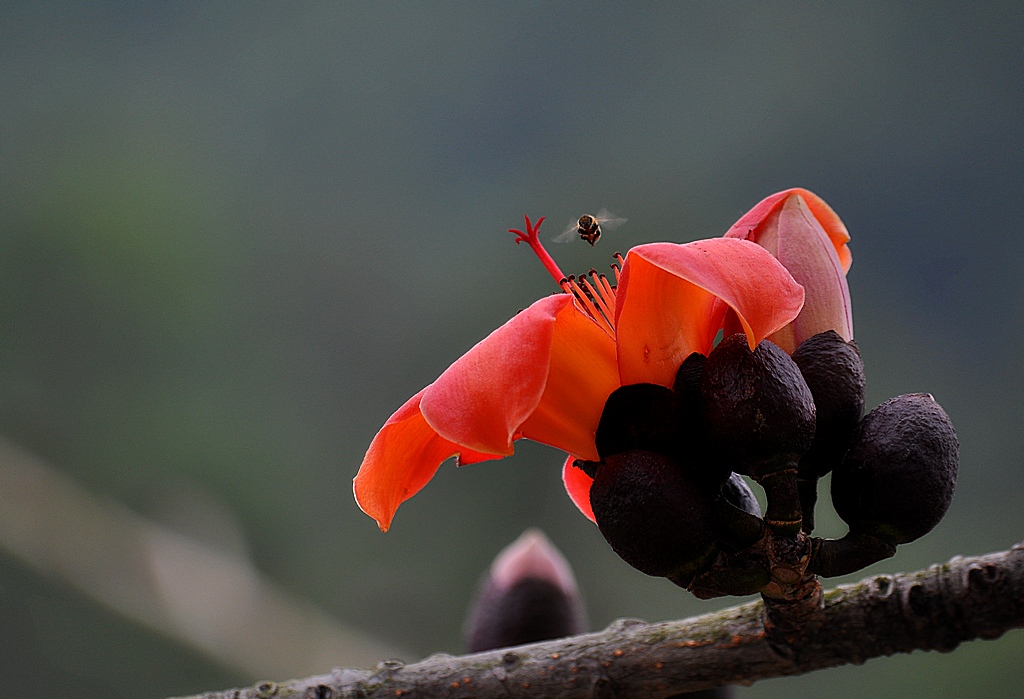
(759, 415)
(667, 492)
(834, 372)
(894, 484)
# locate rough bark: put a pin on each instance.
(935, 609)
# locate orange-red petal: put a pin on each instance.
(577, 484)
(745, 228)
(803, 247)
(582, 374)
(793, 232)
(402, 458)
(670, 302)
(544, 375)
(482, 399)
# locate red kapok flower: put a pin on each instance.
(545, 375)
(807, 237)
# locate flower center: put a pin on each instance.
(594, 294)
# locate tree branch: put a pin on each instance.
(933, 609)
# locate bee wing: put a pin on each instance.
(609, 220)
(570, 233)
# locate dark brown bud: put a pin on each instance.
(898, 477)
(655, 515)
(759, 416)
(756, 406)
(834, 373)
(687, 383)
(711, 469)
(639, 416)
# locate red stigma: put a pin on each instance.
(532, 238)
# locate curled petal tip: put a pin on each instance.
(402, 458)
(577, 485)
(833, 226)
(383, 520)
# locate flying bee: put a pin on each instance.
(589, 227)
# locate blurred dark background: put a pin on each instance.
(234, 238)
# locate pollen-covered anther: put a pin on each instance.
(605, 286)
(595, 296)
(599, 295)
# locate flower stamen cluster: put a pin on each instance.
(595, 295)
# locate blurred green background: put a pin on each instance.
(234, 238)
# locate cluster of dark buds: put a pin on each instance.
(668, 492)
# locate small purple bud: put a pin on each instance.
(528, 595)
